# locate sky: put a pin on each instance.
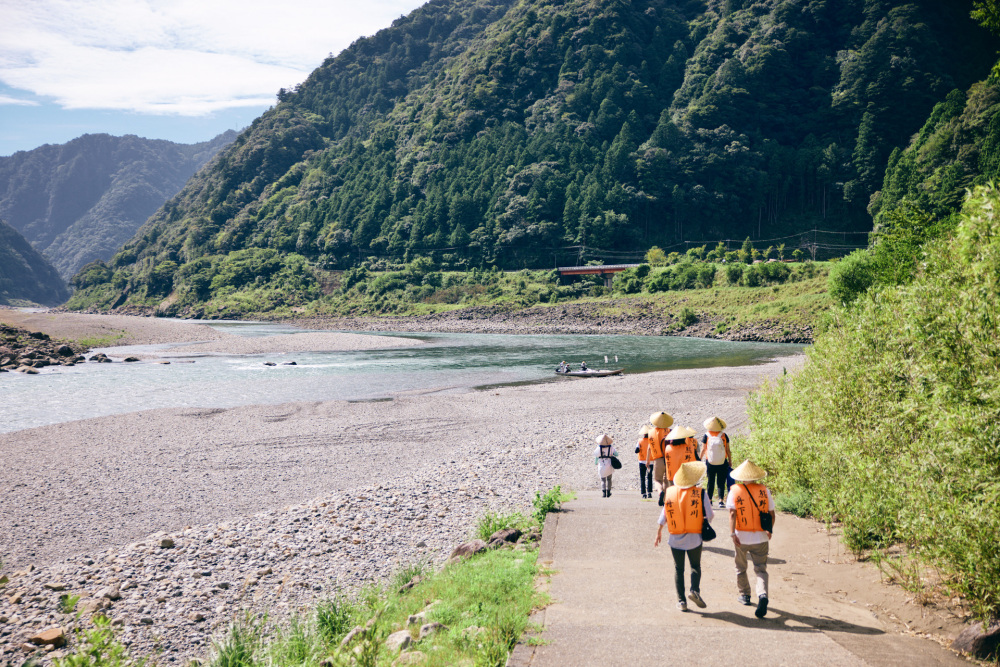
(183, 70)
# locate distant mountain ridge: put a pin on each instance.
(80, 201)
(25, 275)
(499, 133)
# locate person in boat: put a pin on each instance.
(602, 457)
(659, 426)
(563, 368)
(715, 452)
(751, 515)
(685, 507)
(583, 366)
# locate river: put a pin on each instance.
(445, 363)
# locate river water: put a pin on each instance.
(445, 363)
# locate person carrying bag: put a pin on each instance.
(686, 512)
(751, 515)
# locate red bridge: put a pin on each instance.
(606, 271)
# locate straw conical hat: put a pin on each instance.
(681, 432)
(714, 424)
(661, 420)
(644, 431)
(748, 471)
(604, 440)
(689, 474)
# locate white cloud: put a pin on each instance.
(188, 57)
(13, 101)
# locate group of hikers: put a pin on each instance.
(672, 465)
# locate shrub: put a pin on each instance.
(851, 277)
(734, 273)
(900, 398)
(688, 317)
(547, 502)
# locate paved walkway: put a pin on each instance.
(614, 602)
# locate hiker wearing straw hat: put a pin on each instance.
(679, 447)
(642, 448)
(660, 423)
(686, 504)
(602, 457)
(751, 515)
(715, 452)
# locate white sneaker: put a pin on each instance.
(682, 606)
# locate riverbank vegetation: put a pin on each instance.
(891, 427)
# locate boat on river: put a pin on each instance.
(591, 373)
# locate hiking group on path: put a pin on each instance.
(672, 466)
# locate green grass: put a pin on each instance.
(484, 601)
(99, 341)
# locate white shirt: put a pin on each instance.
(688, 541)
(749, 536)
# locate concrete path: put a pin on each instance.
(614, 602)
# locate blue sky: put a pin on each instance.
(183, 70)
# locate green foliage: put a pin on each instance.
(550, 501)
(67, 603)
(494, 133)
(655, 256)
(796, 501)
(852, 276)
(493, 591)
(491, 522)
(688, 317)
(891, 424)
(98, 647)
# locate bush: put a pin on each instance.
(851, 277)
(734, 273)
(547, 502)
(900, 398)
(688, 317)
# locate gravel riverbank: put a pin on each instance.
(175, 521)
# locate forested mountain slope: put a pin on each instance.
(80, 201)
(493, 132)
(25, 275)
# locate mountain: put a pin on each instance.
(513, 134)
(80, 201)
(25, 275)
(956, 149)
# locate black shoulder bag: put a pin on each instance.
(707, 532)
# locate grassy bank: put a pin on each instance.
(470, 612)
(892, 428)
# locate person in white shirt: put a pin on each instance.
(602, 457)
(751, 515)
(715, 452)
(685, 506)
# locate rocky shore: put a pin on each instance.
(577, 318)
(26, 351)
(174, 523)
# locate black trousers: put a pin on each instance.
(718, 475)
(645, 478)
(694, 557)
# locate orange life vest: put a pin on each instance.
(656, 442)
(748, 518)
(676, 455)
(644, 445)
(683, 511)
